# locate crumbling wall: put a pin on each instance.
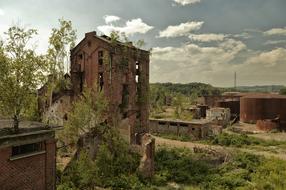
(147, 150)
(219, 116)
(195, 130)
(267, 125)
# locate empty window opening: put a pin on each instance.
(125, 99)
(184, 125)
(27, 148)
(137, 78)
(89, 43)
(80, 56)
(100, 54)
(137, 72)
(101, 81)
(81, 82)
(100, 57)
(162, 123)
(138, 114)
(65, 117)
(173, 124)
(193, 129)
(100, 61)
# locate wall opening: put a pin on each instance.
(124, 100)
(137, 72)
(101, 81)
(100, 57)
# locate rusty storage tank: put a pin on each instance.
(263, 107)
(232, 104)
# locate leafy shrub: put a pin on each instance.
(115, 166)
(240, 140)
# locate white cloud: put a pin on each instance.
(207, 37)
(275, 42)
(186, 2)
(2, 12)
(191, 62)
(244, 35)
(184, 29)
(276, 31)
(216, 64)
(131, 27)
(270, 58)
(111, 18)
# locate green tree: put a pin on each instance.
(283, 91)
(21, 73)
(179, 106)
(61, 41)
(88, 114)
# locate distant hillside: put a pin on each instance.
(199, 89)
(264, 88)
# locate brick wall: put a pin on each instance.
(85, 68)
(31, 173)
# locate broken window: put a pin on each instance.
(65, 117)
(100, 57)
(81, 82)
(27, 148)
(101, 81)
(137, 78)
(137, 72)
(173, 124)
(138, 114)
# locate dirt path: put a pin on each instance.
(179, 144)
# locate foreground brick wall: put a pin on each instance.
(30, 173)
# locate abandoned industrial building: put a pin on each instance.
(266, 111)
(28, 159)
(121, 72)
(195, 129)
(118, 69)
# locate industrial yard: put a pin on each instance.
(142, 95)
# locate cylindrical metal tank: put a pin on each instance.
(263, 107)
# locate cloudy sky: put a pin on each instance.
(191, 40)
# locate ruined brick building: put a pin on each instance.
(121, 71)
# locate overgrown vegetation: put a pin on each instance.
(241, 171)
(241, 140)
(200, 89)
(115, 167)
(21, 72)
